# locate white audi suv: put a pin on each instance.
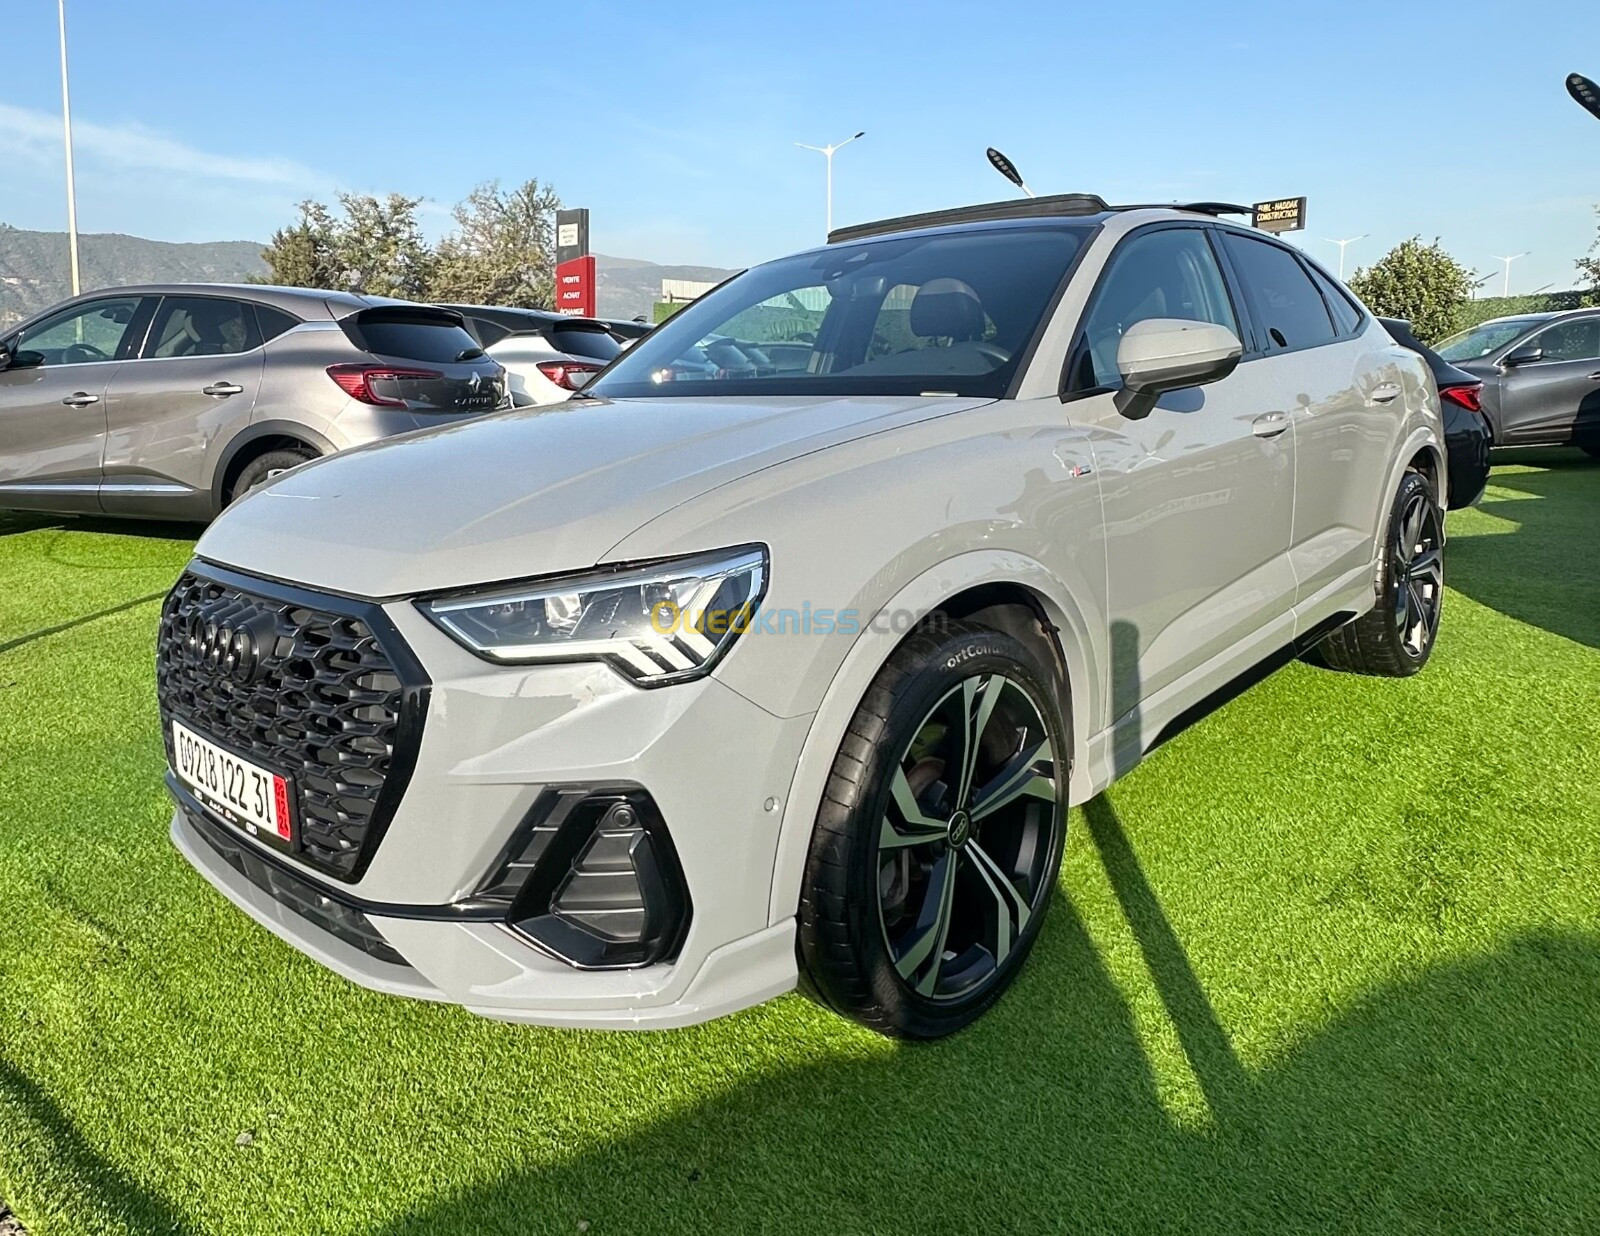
(725, 678)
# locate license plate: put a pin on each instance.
(241, 792)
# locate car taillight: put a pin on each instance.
(568, 375)
(1468, 397)
(356, 381)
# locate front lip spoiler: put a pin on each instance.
(468, 911)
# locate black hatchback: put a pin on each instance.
(1467, 435)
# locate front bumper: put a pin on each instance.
(495, 739)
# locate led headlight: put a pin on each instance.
(664, 622)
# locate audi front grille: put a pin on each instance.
(321, 690)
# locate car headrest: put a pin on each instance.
(947, 307)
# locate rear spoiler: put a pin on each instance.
(396, 311)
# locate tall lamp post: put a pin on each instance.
(1505, 289)
(66, 125)
(1342, 244)
(827, 152)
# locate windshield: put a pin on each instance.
(897, 315)
(1479, 341)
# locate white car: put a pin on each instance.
(547, 356)
(641, 709)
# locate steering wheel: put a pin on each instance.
(993, 351)
(81, 354)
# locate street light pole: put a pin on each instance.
(66, 125)
(1342, 244)
(827, 152)
(1505, 289)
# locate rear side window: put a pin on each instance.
(274, 322)
(1345, 315)
(487, 332)
(410, 335)
(1288, 307)
(595, 343)
(200, 326)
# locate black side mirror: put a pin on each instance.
(1524, 354)
(10, 359)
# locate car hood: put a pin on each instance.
(527, 492)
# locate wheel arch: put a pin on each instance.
(1014, 594)
(256, 440)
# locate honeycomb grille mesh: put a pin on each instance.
(320, 703)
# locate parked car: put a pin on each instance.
(1541, 376)
(642, 712)
(170, 402)
(547, 356)
(1466, 430)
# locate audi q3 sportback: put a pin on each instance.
(718, 680)
(170, 402)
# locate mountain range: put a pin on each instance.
(34, 269)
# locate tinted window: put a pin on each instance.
(1287, 303)
(1575, 340)
(274, 322)
(1345, 315)
(1478, 341)
(1171, 273)
(199, 326)
(811, 324)
(595, 343)
(410, 336)
(83, 334)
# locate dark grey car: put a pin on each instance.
(172, 401)
(1541, 376)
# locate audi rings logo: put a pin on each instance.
(229, 649)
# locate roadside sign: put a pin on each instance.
(1284, 214)
(575, 278)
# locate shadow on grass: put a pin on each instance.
(15, 522)
(1547, 572)
(1461, 1099)
(82, 620)
(85, 1168)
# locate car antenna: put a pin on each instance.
(1008, 169)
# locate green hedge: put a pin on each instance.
(1486, 307)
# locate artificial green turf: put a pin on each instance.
(1329, 960)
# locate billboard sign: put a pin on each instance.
(1284, 214)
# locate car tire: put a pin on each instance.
(264, 468)
(1591, 449)
(1395, 638)
(904, 922)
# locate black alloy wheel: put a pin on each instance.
(1418, 565)
(939, 837)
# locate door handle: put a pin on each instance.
(80, 399)
(1594, 377)
(1387, 393)
(221, 390)
(1269, 425)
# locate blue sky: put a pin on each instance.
(676, 124)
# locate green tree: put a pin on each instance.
(1418, 282)
(375, 246)
(303, 254)
(503, 249)
(1589, 267)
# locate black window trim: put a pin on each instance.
(1066, 394)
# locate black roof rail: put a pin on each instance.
(1063, 205)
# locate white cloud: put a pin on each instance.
(37, 135)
